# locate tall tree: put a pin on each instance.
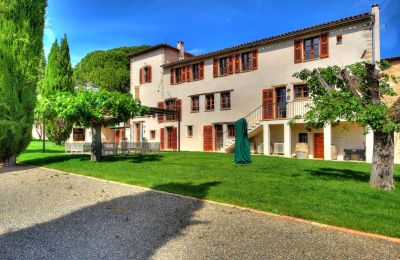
(51, 81)
(65, 68)
(21, 42)
(107, 70)
(357, 93)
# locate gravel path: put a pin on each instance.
(45, 214)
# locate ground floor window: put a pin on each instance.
(231, 130)
(153, 134)
(78, 134)
(189, 131)
(303, 138)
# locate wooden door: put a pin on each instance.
(117, 136)
(268, 104)
(280, 107)
(219, 142)
(162, 138)
(319, 145)
(137, 136)
(208, 138)
(169, 137)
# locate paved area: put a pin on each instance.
(50, 215)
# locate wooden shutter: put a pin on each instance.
(324, 45)
(174, 139)
(201, 70)
(183, 74)
(188, 76)
(172, 76)
(208, 138)
(137, 93)
(298, 50)
(149, 71)
(237, 63)
(162, 138)
(141, 76)
(178, 106)
(230, 65)
(215, 68)
(160, 117)
(268, 104)
(255, 59)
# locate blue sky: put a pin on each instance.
(204, 26)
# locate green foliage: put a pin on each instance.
(90, 109)
(65, 67)
(107, 70)
(21, 43)
(341, 103)
(51, 80)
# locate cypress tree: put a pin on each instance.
(51, 82)
(21, 42)
(65, 67)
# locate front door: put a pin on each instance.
(268, 104)
(219, 137)
(319, 145)
(280, 109)
(117, 136)
(169, 137)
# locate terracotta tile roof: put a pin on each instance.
(280, 37)
(155, 47)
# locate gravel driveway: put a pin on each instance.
(45, 214)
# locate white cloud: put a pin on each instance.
(49, 37)
(197, 51)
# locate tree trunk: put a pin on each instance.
(383, 161)
(11, 161)
(96, 146)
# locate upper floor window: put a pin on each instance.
(246, 61)
(170, 105)
(311, 48)
(225, 100)
(178, 75)
(223, 66)
(195, 104)
(152, 134)
(145, 75)
(210, 102)
(196, 71)
(339, 39)
(301, 91)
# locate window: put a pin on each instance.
(196, 71)
(195, 104)
(225, 100)
(178, 75)
(231, 131)
(311, 48)
(339, 39)
(170, 105)
(189, 131)
(210, 102)
(301, 91)
(78, 134)
(152, 134)
(246, 61)
(303, 138)
(223, 66)
(145, 74)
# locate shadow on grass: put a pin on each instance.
(129, 227)
(54, 159)
(28, 151)
(133, 158)
(198, 191)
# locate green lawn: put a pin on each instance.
(335, 193)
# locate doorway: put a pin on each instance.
(219, 137)
(319, 145)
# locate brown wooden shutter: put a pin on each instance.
(183, 74)
(160, 117)
(188, 77)
(324, 45)
(298, 50)
(141, 76)
(255, 59)
(237, 63)
(201, 70)
(268, 104)
(215, 68)
(137, 93)
(174, 139)
(150, 73)
(230, 65)
(208, 138)
(162, 138)
(178, 106)
(172, 76)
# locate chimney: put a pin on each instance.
(181, 50)
(376, 36)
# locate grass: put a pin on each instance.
(329, 192)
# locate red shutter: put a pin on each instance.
(255, 59)
(183, 74)
(215, 68)
(141, 76)
(149, 74)
(178, 106)
(298, 50)
(162, 138)
(230, 65)
(268, 104)
(201, 70)
(324, 42)
(208, 138)
(237, 63)
(172, 76)
(174, 139)
(160, 117)
(188, 77)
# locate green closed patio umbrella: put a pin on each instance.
(242, 144)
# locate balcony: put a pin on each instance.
(285, 110)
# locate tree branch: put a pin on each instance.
(322, 80)
(352, 82)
